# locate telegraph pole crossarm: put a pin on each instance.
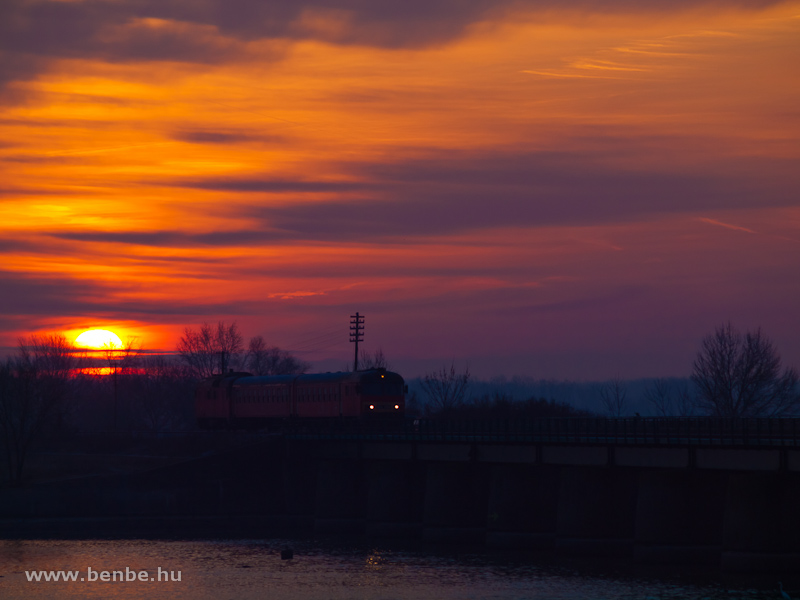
(356, 334)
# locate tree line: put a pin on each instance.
(218, 349)
(734, 375)
(446, 394)
(49, 389)
(45, 388)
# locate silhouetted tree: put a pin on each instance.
(684, 401)
(369, 360)
(208, 349)
(413, 408)
(161, 389)
(613, 397)
(374, 360)
(121, 361)
(503, 406)
(669, 398)
(446, 389)
(271, 360)
(659, 394)
(740, 376)
(34, 388)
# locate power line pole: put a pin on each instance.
(356, 334)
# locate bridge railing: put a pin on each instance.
(635, 431)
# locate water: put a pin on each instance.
(244, 570)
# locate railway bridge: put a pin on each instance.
(723, 492)
(694, 490)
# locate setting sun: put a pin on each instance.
(98, 339)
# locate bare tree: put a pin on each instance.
(209, 349)
(161, 388)
(670, 398)
(257, 356)
(121, 361)
(271, 360)
(740, 376)
(34, 387)
(446, 389)
(374, 360)
(613, 397)
(660, 395)
(684, 401)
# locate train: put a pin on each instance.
(243, 400)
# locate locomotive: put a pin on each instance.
(242, 400)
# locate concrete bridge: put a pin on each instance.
(697, 491)
(717, 493)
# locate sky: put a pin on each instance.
(561, 190)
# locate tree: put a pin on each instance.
(669, 398)
(207, 349)
(613, 397)
(271, 360)
(34, 387)
(161, 390)
(684, 401)
(375, 360)
(659, 394)
(446, 389)
(741, 376)
(500, 405)
(121, 360)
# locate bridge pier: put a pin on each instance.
(523, 506)
(299, 484)
(395, 499)
(596, 511)
(679, 516)
(455, 502)
(762, 518)
(340, 500)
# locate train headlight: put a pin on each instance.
(397, 406)
(372, 407)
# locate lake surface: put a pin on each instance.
(333, 570)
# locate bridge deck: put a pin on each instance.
(754, 432)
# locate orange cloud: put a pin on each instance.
(162, 169)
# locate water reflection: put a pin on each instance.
(246, 570)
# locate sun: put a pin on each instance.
(98, 339)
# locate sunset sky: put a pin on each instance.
(572, 189)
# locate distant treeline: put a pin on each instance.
(734, 374)
(563, 398)
(499, 406)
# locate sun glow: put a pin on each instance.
(98, 339)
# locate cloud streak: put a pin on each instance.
(33, 33)
(725, 225)
(577, 175)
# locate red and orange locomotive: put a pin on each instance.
(244, 400)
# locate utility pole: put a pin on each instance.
(356, 334)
